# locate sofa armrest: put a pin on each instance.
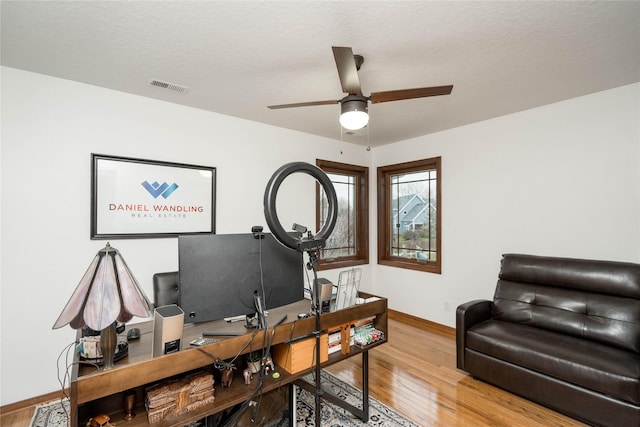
(467, 315)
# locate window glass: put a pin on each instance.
(348, 244)
(342, 242)
(409, 215)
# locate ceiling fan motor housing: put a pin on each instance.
(354, 112)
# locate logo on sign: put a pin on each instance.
(163, 189)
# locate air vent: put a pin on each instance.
(170, 86)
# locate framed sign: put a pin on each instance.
(135, 198)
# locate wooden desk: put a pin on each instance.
(94, 392)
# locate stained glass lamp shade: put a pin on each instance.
(107, 293)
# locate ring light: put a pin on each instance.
(308, 243)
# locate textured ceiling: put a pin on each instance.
(237, 57)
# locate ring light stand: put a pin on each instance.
(309, 243)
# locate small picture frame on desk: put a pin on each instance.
(137, 198)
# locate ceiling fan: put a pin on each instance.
(354, 106)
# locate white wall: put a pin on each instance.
(49, 128)
(561, 180)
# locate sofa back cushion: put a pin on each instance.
(595, 300)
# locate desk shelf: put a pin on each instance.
(94, 392)
(226, 398)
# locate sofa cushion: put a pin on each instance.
(594, 300)
(595, 366)
(601, 318)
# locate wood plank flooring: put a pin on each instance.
(415, 374)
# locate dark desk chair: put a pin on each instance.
(165, 288)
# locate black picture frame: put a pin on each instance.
(139, 198)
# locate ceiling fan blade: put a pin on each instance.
(304, 104)
(347, 70)
(421, 92)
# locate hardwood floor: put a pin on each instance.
(19, 414)
(415, 374)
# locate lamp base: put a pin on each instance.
(108, 343)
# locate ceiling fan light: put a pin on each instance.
(354, 114)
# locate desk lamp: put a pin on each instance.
(107, 293)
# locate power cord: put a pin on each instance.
(65, 380)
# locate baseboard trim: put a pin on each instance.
(421, 323)
(33, 401)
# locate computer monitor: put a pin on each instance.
(220, 274)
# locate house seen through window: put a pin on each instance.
(409, 215)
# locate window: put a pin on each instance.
(348, 244)
(409, 233)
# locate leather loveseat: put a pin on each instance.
(564, 333)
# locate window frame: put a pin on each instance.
(361, 174)
(384, 174)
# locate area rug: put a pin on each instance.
(51, 414)
(55, 413)
(335, 416)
